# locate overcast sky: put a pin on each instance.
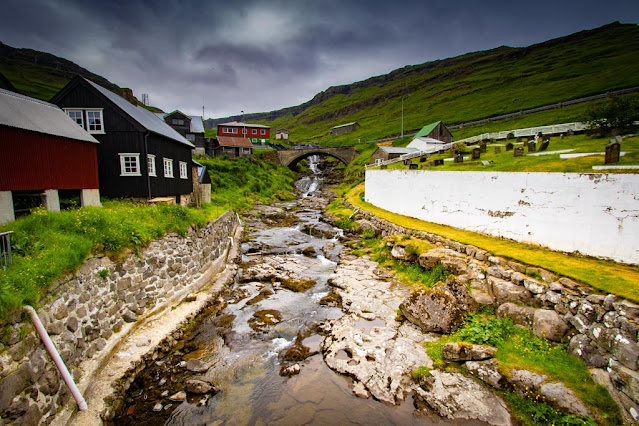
(253, 56)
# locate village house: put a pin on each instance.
(436, 130)
(256, 133)
(281, 134)
(45, 157)
(229, 146)
(344, 128)
(189, 126)
(139, 156)
(384, 153)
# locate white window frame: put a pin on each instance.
(150, 160)
(254, 131)
(123, 164)
(184, 171)
(168, 167)
(72, 110)
(101, 118)
(262, 131)
(244, 131)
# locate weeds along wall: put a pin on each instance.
(594, 214)
(598, 328)
(90, 311)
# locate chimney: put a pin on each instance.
(128, 95)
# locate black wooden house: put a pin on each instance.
(189, 126)
(139, 156)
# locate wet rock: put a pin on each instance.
(309, 251)
(548, 324)
(289, 371)
(157, 407)
(178, 397)
(198, 387)
(485, 370)
(332, 299)
(197, 366)
(462, 351)
(264, 318)
(455, 396)
(191, 298)
(129, 316)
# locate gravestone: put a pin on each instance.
(561, 136)
(498, 150)
(509, 146)
(519, 139)
(487, 163)
(532, 146)
(519, 151)
(544, 145)
(407, 162)
(439, 162)
(413, 166)
(476, 153)
(458, 158)
(482, 146)
(383, 166)
(570, 133)
(613, 150)
(422, 159)
(510, 135)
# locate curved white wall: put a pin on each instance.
(595, 214)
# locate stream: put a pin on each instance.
(262, 349)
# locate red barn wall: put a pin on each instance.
(248, 134)
(34, 161)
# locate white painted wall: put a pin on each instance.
(595, 214)
(6, 207)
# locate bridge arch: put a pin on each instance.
(293, 162)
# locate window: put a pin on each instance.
(184, 174)
(178, 122)
(230, 130)
(129, 164)
(262, 131)
(254, 131)
(244, 130)
(190, 137)
(94, 121)
(76, 115)
(151, 164)
(168, 167)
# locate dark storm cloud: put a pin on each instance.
(259, 55)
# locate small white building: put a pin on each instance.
(282, 134)
(425, 144)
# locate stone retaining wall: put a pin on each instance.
(601, 329)
(93, 308)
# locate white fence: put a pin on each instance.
(411, 155)
(552, 129)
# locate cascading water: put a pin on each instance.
(244, 344)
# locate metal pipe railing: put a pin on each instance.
(5, 249)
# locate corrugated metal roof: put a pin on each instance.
(26, 113)
(241, 124)
(427, 129)
(233, 141)
(197, 125)
(344, 125)
(144, 117)
(396, 150)
(422, 143)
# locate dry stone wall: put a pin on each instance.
(89, 309)
(601, 329)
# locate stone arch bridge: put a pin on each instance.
(291, 157)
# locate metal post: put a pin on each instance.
(68, 379)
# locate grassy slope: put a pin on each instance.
(607, 276)
(478, 85)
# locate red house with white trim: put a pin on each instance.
(256, 133)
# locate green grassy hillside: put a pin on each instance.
(41, 75)
(471, 86)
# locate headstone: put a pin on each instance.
(476, 153)
(487, 163)
(509, 146)
(482, 146)
(561, 136)
(544, 145)
(532, 146)
(422, 159)
(519, 151)
(519, 138)
(570, 133)
(407, 162)
(498, 150)
(619, 138)
(383, 166)
(458, 158)
(612, 152)
(413, 166)
(439, 162)
(510, 135)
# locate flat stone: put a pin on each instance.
(129, 316)
(197, 366)
(485, 370)
(198, 387)
(458, 351)
(565, 399)
(178, 397)
(457, 397)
